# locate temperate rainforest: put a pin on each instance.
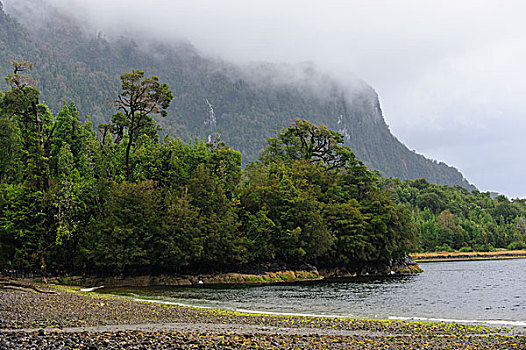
(152, 196)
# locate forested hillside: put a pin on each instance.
(241, 105)
(451, 218)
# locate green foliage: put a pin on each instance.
(10, 148)
(451, 218)
(133, 203)
(249, 107)
(26, 226)
(183, 207)
(139, 99)
(70, 201)
(67, 130)
(311, 201)
(303, 140)
(282, 214)
(120, 239)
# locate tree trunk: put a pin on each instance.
(128, 148)
(39, 125)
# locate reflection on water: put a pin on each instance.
(471, 290)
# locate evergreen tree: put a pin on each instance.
(139, 99)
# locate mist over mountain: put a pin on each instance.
(241, 104)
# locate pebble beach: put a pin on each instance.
(65, 318)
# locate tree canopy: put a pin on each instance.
(85, 68)
(139, 99)
(179, 207)
(452, 218)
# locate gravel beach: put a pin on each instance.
(69, 319)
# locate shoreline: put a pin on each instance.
(490, 323)
(467, 256)
(229, 278)
(44, 320)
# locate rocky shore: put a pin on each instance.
(258, 277)
(278, 274)
(65, 318)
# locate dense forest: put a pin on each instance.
(243, 104)
(122, 200)
(452, 218)
(134, 180)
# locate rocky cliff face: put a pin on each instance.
(369, 136)
(248, 103)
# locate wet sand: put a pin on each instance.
(70, 319)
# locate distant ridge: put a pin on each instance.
(241, 105)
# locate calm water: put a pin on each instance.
(493, 290)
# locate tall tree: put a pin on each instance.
(305, 140)
(139, 99)
(23, 98)
(21, 104)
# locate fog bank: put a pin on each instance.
(450, 74)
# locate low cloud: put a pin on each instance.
(450, 75)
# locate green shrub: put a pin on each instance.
(443, 248)
(516, 245)
(465, 249)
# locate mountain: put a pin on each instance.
(243, 105)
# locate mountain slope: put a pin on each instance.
(244, 105)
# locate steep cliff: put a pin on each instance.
(241, 105)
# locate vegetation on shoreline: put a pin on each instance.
(125, 202)
(454, 256)
(453, 219)
(76, 201)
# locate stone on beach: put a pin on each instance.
(71, 319)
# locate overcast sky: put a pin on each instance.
(451, 75)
